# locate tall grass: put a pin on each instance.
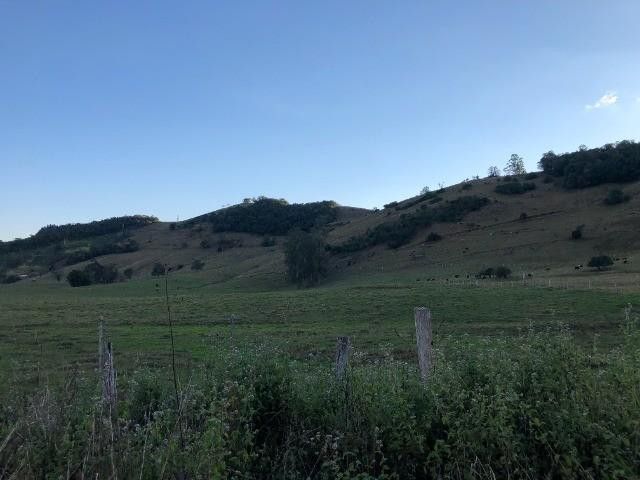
(535, 406)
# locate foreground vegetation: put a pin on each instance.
(513, 392)
(532, 406)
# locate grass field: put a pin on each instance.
(47, 326)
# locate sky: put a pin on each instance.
(176, 108)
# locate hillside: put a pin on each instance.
(524, 222)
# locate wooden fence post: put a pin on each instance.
(109, 388)
(424, 339)
(107, 370)
(342, 356)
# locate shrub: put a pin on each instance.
(197, 265)
(268, 242)
(391, 205)
(514, 188)
(466, 186)
(305, 257)
(524, 216)
(158, 270)
(172, 226)
(205, 244)
(95, 272)
(10, 279)
(531, 176)
(616, 196)
(78, 278)
(128, 273)
(503, 272)
(434, 237)
(600, 262)
(577, 233)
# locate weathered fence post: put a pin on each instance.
(109, 388)
(107, 370)
(424, 339)
(100, 343)
(342, 356)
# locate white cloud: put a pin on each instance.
(608, 99)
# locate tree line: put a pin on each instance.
(76, 231)
(269, 216)
(611, 163)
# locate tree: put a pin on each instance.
(425, 190)
(494, 172)
(78, 278)
(306, 258)
(577, 233)
(615, 197)
(515, 165)
(600, 262)
(197, 264)
(158, 270)
(503, 272)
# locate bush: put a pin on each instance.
(10, 279)
(466, 186)
(503, 272)
(197, 265)
(158, 270)
(497, 272)
(95, 272)
(205, 244)
(531, 176)
(78, 278)
(128, 273)
(577, 233)
(616, 196)
(306, 258)
(600, 262)
(268, 242)
(434, 237)
(524, 216)
(390, 205)
(514, 188)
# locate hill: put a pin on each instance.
(523, 222)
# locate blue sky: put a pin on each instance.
(177, 108)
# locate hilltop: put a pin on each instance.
(526, 222)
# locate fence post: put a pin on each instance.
(101, 343)
(342, 356)
(109, 389)
(107, 370)
(424, 340)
